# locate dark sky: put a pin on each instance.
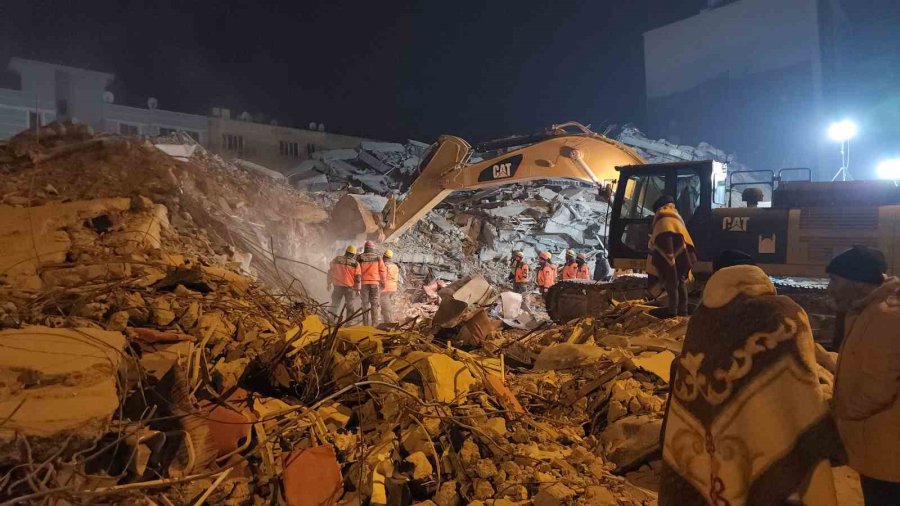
(385, 69)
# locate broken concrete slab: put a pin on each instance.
(182, 152)
(460, 299)
(630, 440)
(386, 147)
(567, 356)
(259, 169)
(657, 363)
(61, 387)
(444, 379)
(335, 154)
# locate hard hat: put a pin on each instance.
(545, 255)
(351, 249)
(388, 253)
(581, 256)
(519, 254)
(570, 253)
(370, 245)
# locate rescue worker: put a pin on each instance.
(747, 421)
(671, 254)
(602, 270)
(582, 271)
(521, 273)
(344, 278)
(391, 284)
(570, 268)
(546, 272)
(866, 404)
(372, 278)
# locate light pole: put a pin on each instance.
(843, 131)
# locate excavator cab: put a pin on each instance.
(697, 186)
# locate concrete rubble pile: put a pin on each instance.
(376, 167)
(663, 151)
(476, 231)
(148, 359)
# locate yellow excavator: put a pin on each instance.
(557, 153)
(794, 233)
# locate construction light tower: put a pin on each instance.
(843, 131)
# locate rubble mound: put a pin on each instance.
(149, 358)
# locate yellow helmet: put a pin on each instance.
(351, 249)
(388, 253)
(545, 255)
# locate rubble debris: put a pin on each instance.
(60, 388)
(214, 375)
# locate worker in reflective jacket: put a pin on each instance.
(521, 273)
(344, 278)
(582, 271)
(372, 278)
(546, 272)
(391, 284)
(570, 268)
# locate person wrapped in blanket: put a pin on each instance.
(671, 255)
(747, 421)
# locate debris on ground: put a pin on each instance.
(164, 345)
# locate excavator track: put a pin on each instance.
(568, 300)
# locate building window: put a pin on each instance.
(231, 142)
(169, 131)
(310, 149)
(291, 149)
(126, 129)
(34, 120)
(62, 107)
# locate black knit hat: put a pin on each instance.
(665, 199)
(859, 263)
(732, 257)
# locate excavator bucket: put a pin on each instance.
(357, 216)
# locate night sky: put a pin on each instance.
(404, 69)
(392, 69)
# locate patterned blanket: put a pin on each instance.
(746, 422)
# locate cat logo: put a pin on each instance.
(735, 223)
(502, 170)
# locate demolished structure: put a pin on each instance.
(164, 345)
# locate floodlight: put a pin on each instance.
(842, 130)
(889, 169)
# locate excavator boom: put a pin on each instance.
(582, 155)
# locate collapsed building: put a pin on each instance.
(164, 345)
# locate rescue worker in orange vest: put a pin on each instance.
(372, 278)
(546, 272)
(582, 271)
(344, 277)
(521, 273)
(570, 268)
(391, 284)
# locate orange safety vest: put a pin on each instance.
(583, 272)
(344, 272)
(570, 271)
(546, 275)
(522, 274)
(371, 268)
(392, 278)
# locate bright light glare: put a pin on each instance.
(889, 169)
(842, 130)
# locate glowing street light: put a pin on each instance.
(843, 131)
(889, 169)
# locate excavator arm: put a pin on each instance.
(582, 155)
